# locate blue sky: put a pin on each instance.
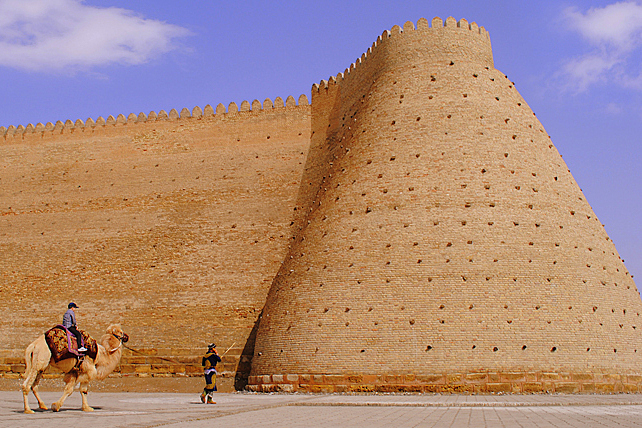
(578, 63)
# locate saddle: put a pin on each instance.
(62, 344)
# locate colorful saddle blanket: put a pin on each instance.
(62, 344)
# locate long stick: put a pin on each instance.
(228, 349)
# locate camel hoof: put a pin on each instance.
(43, 407)
(55, 407)
(87, 409)
(29, 411)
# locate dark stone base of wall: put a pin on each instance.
(452, 383)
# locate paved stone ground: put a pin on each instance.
(130, 409)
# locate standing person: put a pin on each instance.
(69, 321)
(209, 365)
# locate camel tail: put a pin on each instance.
(29, 357)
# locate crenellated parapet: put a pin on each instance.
(221, 111)
(457, 39)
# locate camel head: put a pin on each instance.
(117, 331)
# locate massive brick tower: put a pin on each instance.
(442, 243)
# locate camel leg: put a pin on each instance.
(34, 389)
(83, 394)
(26, 387)
(70, 382)
(37, 358)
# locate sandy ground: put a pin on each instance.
(157, 402)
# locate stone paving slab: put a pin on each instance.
(127, 409)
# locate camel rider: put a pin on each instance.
(69, 322)
(209, 365)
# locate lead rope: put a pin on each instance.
(141, 353)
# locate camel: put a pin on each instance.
(38, 357)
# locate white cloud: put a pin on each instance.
(589, 69)
(613, 108)
(615, 35)
(618, 24)
(63, 35)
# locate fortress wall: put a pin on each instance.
(413, 229)
(446, 245)
(174, 228)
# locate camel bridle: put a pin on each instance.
(120, 342)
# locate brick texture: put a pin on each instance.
(174, 228)
(444, 235)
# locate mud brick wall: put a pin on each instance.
(446, 245)
(172, 226)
